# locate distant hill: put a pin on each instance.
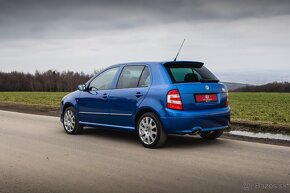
(270, 87)
(233, 86)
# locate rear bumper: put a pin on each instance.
(187, 122)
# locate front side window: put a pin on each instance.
(104, 80)
(130, 76)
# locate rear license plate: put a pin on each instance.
(203, 98)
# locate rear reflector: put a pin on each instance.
(174, 100)
(202, 98)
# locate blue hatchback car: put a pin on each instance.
(153, 99)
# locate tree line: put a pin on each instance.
(67, 81)
(49, 81)
(270, 87)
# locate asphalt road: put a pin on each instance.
(36, 155)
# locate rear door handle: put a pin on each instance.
(105, 95)
(138, 94)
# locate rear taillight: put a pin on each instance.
(174, 100)
(227, 101)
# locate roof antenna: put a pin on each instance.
(179, 50)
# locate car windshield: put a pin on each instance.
(189, 72)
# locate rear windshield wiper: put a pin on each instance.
(208, 80)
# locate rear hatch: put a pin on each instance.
(198, 87)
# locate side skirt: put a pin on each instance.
(118, 127)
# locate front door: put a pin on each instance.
(93, 103)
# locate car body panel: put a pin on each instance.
(124, 102)
(121, 108)
(93, 106)
(190, 121)
(188, 91)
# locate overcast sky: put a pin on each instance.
(239, 40)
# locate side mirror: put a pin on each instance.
(82, 87)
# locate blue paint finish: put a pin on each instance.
(188, 121)
(94, 102)
(129, 129)
(125, 101)
(69, 100)
(119, 108)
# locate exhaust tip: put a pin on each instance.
(196, 132)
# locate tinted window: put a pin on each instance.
(104, 80)
(190, 73)
(130, 76)
(145, 78)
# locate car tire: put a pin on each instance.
(212, 134)
(150, 131)
(71, 122)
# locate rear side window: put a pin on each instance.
(145, 78)
(189, 72)
(130, 76)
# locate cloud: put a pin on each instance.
(229, 36)
(39, 19)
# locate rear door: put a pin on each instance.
(131, 88)
(198, 87)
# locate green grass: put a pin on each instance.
(264, 107)
(43, 99)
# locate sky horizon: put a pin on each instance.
(240, 41)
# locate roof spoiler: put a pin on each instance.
(182, 64)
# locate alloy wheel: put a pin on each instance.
(148, 130)
(69, 121)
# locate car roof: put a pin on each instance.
(156, 63)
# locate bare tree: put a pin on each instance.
(50, 81)
(270, 87)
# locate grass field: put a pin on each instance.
(43, 99)
(270, 107)
(264, 107)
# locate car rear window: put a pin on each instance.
(189, 72)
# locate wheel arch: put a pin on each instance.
(142, 111)
(66, 105)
